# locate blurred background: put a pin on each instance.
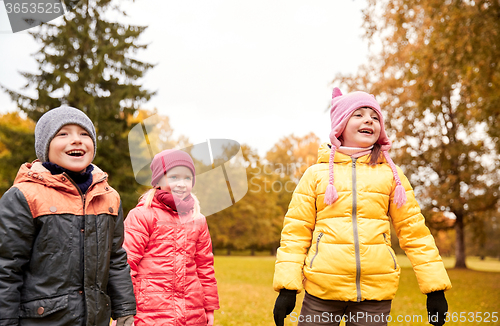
(261, 73)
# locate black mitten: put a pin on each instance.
(437, 307)
(284, 305)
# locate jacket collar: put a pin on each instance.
(156, 204)
(37, 173)
(324, 156)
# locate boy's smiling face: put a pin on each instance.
(72, 148)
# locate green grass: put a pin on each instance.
(247, 297)
(487, 265)
(246, 252)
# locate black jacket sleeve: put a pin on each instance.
(17, 233)
(120, 288)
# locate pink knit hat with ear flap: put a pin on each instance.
(341, 111)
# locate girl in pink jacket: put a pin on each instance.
(169, 249)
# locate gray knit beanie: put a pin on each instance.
(53, 120)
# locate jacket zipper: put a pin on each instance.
(317, 248)
(355, 230)
(82, 234)
(97, 241)
(393, 258)
(84, 198)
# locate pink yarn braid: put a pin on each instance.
(400, 195)
(331, 195)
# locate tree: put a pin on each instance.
(436, 76)
(286, 162)
(86, 62)
(483, 238)
(292, 155)
(254, 221)
(17, 146)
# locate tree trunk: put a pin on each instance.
(252, 252)
(273, 250)
(228, 251)
(459, 242)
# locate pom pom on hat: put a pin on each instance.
(336, 92)
(341, 111)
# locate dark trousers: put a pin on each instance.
(316, 311)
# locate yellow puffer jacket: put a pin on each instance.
(343, 251)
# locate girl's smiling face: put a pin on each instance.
(179, 181)
(362, 129)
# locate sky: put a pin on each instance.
(251, 71)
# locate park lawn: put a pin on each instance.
(247, 297)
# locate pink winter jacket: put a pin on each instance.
(171, 265)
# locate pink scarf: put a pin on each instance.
(181, 206)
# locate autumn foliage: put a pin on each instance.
(437, 77)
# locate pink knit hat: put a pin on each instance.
(168, 159)
(341, 111)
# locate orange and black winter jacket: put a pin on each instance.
(61, 255)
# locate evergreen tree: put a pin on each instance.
(87, 62)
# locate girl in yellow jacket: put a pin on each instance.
(336, 243)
